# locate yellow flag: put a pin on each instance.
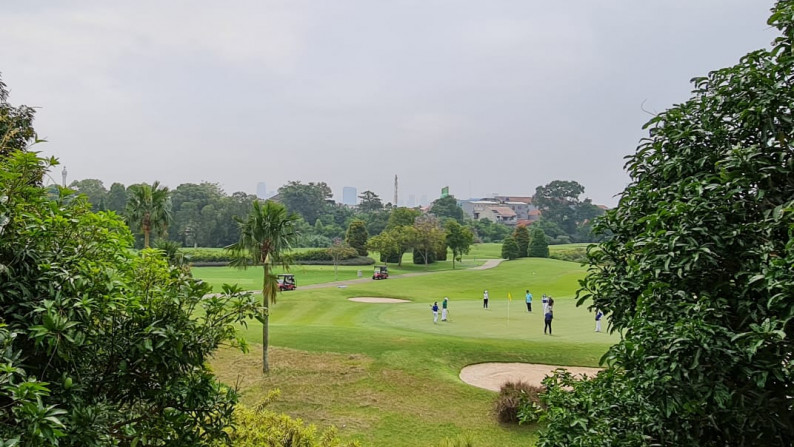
(509, 297)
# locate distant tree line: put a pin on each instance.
(202, 215)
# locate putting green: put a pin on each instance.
(469, 319)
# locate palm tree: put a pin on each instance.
(149, 207)
(266, 234)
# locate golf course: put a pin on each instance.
(384, 373)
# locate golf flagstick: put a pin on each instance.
(509, 298)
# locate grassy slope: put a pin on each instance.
(388, 376)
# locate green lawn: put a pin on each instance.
(385, 374)
(251, 278)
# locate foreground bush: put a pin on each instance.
(264, 428)
(101, 347)
(518, 402)
(696, 274)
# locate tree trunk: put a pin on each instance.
(265, 322)
(145, 238)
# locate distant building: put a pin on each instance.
(503, 209)
(261, 190)
(411, 200)
(349, 196)
(423, 200)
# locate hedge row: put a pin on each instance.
(578, 254)
(358, 260)
(321, 254)
(208, 256)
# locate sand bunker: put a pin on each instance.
(491, 376)
(372, 299)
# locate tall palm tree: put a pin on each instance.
(149, 207)
(266, 234)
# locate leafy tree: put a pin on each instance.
(458, 239)
(509, 248)
(521, 235)
(402, 217)
(447, 207)
(266, 234)
(93, 189)
(559, 202)
(488, 231)
(116, 199)
(376, 221)
(337, 251)
(149, 208)
(370, 202)
(16, 125)
(538, 246)
(100, 346)
(386, 245)
(427, 236)
(356, 236)
(308, 200)
(697, 273)
(393, 243)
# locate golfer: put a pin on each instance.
(598, 317)
(435, 312)
(548, 317)
(485, 299)
(444, 309)
(529, 301)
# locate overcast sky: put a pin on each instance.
(487, 96)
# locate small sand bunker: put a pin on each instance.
(491, 376)
(372, 299)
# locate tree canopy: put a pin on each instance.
(149, 209)
(697, 274)
(560, 205)
(100, 346)
(16, 125)
(307, 200)
(447, 208)
(458, 239)
(369, 202)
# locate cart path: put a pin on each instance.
(489, 264)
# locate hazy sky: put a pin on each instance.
(488, 96)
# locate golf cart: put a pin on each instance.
(286, 282)
(381, 272)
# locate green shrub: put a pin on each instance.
(206, 255)
(419, 259)
(538, 246)
(576, 254)
(322, 255)
(509, 248)
(521, 235)
(518, 402)
(356, 236)
(264, 428)
(458, 441)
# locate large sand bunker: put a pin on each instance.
(372, 299)
(491, 376)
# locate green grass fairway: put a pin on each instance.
(385, 374)
(251, 278)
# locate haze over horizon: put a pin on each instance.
(483, 97)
